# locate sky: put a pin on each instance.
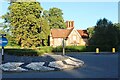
(84, 14)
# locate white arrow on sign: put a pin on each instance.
(4, 41)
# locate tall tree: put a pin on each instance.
(105, 34)
(117, 27)
(90, 31)
(55, 18)
(28, 27)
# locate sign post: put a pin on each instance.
(3, 42)
(2, 50)
(63, 46)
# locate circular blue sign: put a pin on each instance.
(3, 41)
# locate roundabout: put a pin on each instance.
(45, 63)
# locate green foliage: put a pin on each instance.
(2, 32)
(28, 52)
(104, 34)
(40, 52)
(21, 52)
(57, 49)
(30, 25)
(117, 27)
(102, 48)
(47, 49)
(75, 48)
(27, 26)
(90, 31)
(91, 48)
(55, 18)
(70, 49)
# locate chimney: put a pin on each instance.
(69, 24)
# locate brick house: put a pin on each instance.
(70, 34)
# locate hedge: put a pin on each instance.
(84, 48)
(47, 49)
(70, 49)
(101, 48)
(28, 52)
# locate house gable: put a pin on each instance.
(73, 38)
(71, 35)
(75, 32)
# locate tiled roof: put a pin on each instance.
(60, 33)
(83, 33)
(64, 33)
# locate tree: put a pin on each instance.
(117, 27)
(104, 34)
(55, 18)
(90, 31)
(28, 26)
(2, 31)
(45, 14)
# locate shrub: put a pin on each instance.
(47, 49)
(75, 48)
(91, 48)
(57, 49)
(118, 48)
(28, 52)
(70, 49)
(21, 52)
(40, 52)
(104, 48)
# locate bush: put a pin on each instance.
(28, 52)
(84, 48)
(57, 49)
(40, 52)
(75, 48)
(47, 49)
(70, 49)
(21, 52)
(101, 48)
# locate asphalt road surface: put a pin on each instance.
(96, 66)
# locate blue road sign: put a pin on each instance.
(3, 41)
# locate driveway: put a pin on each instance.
(96, 66)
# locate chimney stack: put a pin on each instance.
(69, 24)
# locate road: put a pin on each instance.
(96, 66)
